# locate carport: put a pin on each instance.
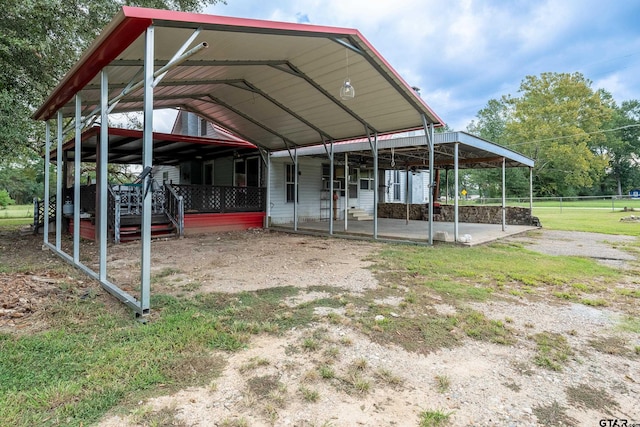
(280, 86)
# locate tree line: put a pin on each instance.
(40, 40)
(583, 142)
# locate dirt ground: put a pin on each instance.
(477, 383)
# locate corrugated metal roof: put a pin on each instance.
(473, 152)
(273, 84)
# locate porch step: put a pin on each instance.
(359, 215)
(161, 227)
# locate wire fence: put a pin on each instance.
(17, 211)
(609, 202)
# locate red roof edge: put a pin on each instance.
(157, 136)
(115, 38)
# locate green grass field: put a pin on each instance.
(592, 220)
(16, 215)
(558, 203)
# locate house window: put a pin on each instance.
(240, 173)
(290, 183)
(203, 127)
(366, 179)
(165, 176)
(338, 178)
(396, 185)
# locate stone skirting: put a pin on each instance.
(474, 214)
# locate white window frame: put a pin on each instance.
(289, 182)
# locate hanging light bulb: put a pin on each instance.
(347, 91)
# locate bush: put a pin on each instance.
(5, 199)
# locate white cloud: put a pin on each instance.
(462, 53)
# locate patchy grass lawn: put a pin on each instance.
(92, 357)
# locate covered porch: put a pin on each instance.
(412, 231)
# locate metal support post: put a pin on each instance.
(406, 185)
(429, 133)
(76, 182)
(331, 190)
(446, 180)
(456, 184)
(59, 193)
(531, 191)
(268, 195)
(295, 188)
(103, 172)
(375, 185)
(147, 162)
(504, 195)
(47, 162)
(346, 191)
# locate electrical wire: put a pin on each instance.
(577, 134)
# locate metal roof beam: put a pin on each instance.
(179, 55)
(297, 72)
(251, 119)
(286, 109)
(347, 43)
(203, 62)
(398, 87)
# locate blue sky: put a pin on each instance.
(461, 53)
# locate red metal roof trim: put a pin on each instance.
(127, 26)
(131, 22)
(157, 136)
(105, 49)
(222, 21)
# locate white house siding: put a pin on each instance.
(173, 174)
(309, 193)
(309, 190)
(365, 201)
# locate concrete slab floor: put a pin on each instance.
(469, 234)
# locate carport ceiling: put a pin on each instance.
(274, 84)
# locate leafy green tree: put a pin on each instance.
(557, 122)
(491, 125)
(622, 147)
(39, 41)
(5, 199)
(491, 122)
